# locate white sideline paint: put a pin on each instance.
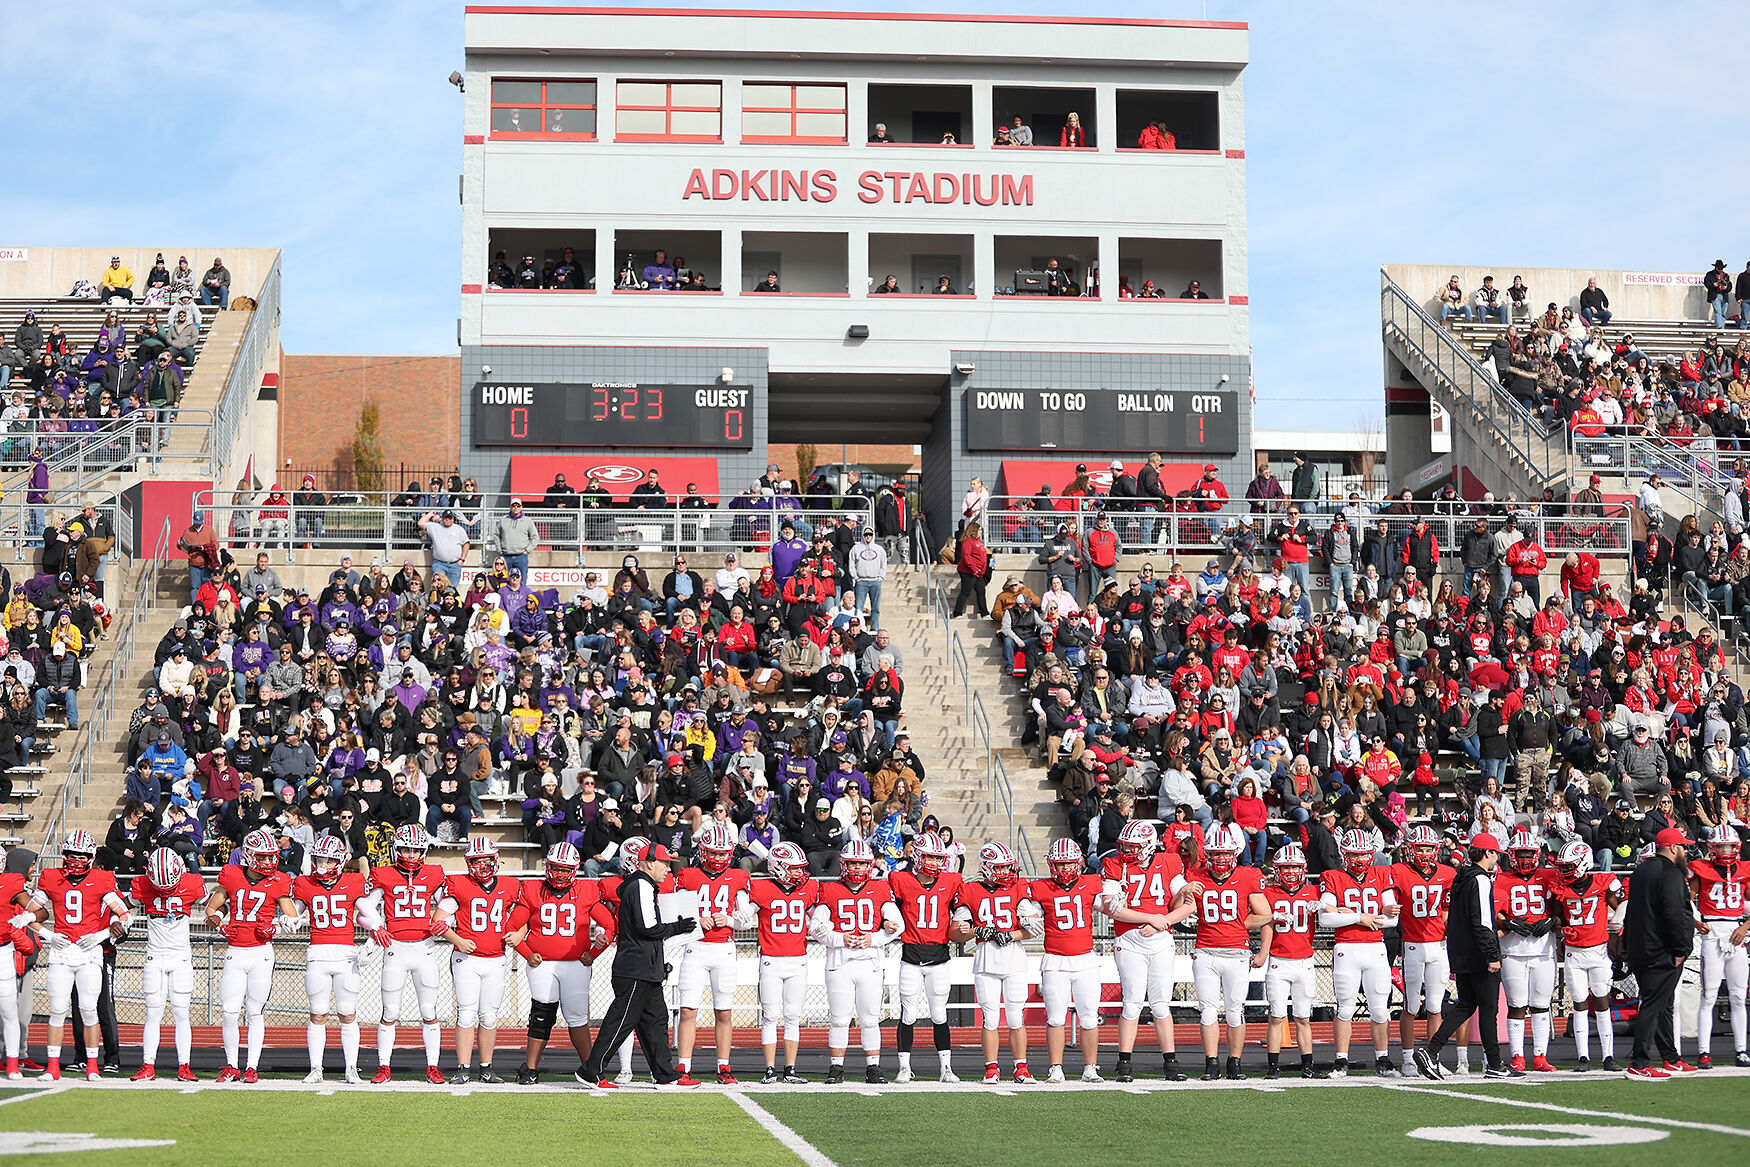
(1577, 1135)
(1616, 1116)
(68, 1143)
(30, 1094)
(805, 1150)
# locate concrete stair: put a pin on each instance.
(936, 715)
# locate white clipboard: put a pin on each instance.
(677, 905)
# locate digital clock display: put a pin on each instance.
(1142, 421)
(612, 414)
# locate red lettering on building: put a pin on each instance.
(1017, 194)
(723, 184)
(873, 186)
(825, 186)
(696, 186)
(869, 184)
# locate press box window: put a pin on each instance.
(681, 111)
(544, 109)
(809, 114)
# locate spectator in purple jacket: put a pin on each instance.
(38, 494)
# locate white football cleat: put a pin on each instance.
(623, 1078)
(1090, 1074)
(1055, 1077)
(313, 1077)
(948, 1075)
(903, 1076)
(352, 1076)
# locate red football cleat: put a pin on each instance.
(726, 1078)
(93, 1071)
(250, 1077)
(184, 1074)
(144, 1074)
(435, 1076)
(687, 1081)
(1679, 1067)
(1704, 1062)
(381, 1076)
(30, 1066)
(992, 1075)
(1518, 1062)
(228, 1074)
(1541, 1065)
(1648, 1073)
(1024, 1076)
(53, 1070)
(607, 1084)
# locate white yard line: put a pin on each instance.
(30, 1093)
(1620, 1116)
(805, 1150)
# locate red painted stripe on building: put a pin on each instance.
(473, 139)
(1239, 299)
(749, 13)
(470, 289)
(1236, 153)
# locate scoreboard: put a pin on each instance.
(1139, 421)
(612, 413)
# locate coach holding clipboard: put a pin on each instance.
(639, 970)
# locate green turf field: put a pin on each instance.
(1596, 1121)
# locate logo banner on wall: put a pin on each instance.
(618, 473)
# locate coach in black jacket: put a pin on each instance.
(1658, 934)
(1474, 950)
(639, 971)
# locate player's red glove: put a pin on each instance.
(266, 931)
(438, 928)
(381, 935)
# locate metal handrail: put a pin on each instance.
(1515, 428)
(995, 780)
(241, 386)
(370, 521)
(76, 458)
(102, 704)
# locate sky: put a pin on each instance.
(1517, 135)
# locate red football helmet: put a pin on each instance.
(716, 845)
(1065, 860)
(856, 862)
(1525, 851)
(328, 859)
(165, 869)
(78, 851)
(632, 853)
(262, 852)
(932, 855)
(1423, 847)
(1137, 843)
(1222, 849)
(561, 865)
(1289, 867)
(411, 844)
(997, 866)
(1357, 849)
(482, 859)
(1723, 844)
(788, 865)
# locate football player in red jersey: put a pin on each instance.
(333, 898)
(1070, 972)
(1719, 888)
(1528, 947)
(166, 894)
(782, 904)
(484, 916)
(1359, 903)
(249, 895)
(406, 895)
(708, 957)
(1423, 886)
(559, 952)
(1141, 883)
(926, 903)
(1584, 899)
(855, 918)
(86, 907)
(997, 909)
(1290, 978)
(1229, 903)
(14, 927)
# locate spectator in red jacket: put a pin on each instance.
(973, 563)
(1252, 817)
(1209, 488)
(1526, 560)
(1580, 572)
(1103, 550)
(1155, 136)
(1073, 134)
(1293, 537)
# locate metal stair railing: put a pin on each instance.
(1515, 429)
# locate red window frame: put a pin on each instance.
(543, 134)
(793, 110)
(668, 110)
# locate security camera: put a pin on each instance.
(1224, 378)
(455, 79)
(727, 374)
(965, 367)
(487, 370)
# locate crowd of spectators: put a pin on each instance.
(759, 690)
(1239, 694)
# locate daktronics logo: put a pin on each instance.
(611, 475)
